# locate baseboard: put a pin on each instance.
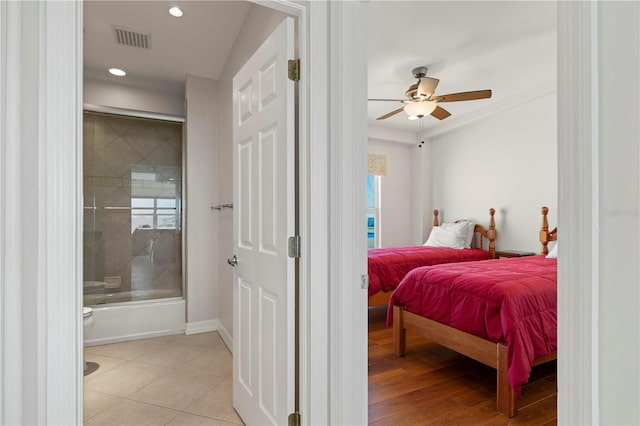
(226, 337)
(201, 327)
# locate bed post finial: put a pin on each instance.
(544, 231)
(435, 217)
(492, 233)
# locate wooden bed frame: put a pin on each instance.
(480, 233)
(545, 235)
(485, 351)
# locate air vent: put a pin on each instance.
(132, 38)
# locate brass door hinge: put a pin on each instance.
(294, 69)
(294, 246)
(294, 419)
(364, 281)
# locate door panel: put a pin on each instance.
(264, 205)
(243, 202)
(268, 192)
(242, 355)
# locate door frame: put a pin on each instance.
(332, 171)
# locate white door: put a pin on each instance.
(263, 197)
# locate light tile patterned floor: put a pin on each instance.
(170, 380)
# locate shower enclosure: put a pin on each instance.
(132, 209)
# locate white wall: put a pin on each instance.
(258, 25)
(617, 213)
(396, 192)
(598, 273)
(108, 94)
(202, 223)
(507, 161)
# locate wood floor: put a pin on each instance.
(433, 385)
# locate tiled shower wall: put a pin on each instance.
(125, 158)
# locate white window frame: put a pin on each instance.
(153, 211)
(376, 212)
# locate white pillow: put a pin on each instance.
(553, 254)
(442, 237)
(463, 228)
(471, 226)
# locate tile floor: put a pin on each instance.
(169, 380)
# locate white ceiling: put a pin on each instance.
(197, 43)
(506, 46)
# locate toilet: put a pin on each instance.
(87, 324)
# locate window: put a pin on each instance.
(153, 213)
(373, 211)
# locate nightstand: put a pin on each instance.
(513, 253)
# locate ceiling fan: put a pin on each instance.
(422, 101)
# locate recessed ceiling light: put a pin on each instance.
(175, 11)
(117, 71)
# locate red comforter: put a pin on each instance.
(511, 300)
(389, 265)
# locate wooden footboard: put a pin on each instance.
(489, 353)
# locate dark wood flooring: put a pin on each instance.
(433, 385)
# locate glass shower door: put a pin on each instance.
(132, 209)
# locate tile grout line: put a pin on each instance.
(169, 370)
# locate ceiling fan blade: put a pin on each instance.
(390, 114)
(440, 113)
(463, 96)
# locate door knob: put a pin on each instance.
(233, 261)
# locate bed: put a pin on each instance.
(501, 313)
(387, 266)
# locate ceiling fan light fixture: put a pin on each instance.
(419, 109)
(421, 99)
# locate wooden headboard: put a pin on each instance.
(545, 235)
(480, 233)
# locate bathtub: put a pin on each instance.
(101, 297)
(122, 319)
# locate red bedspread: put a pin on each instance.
(389, 265)
(511, 300)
